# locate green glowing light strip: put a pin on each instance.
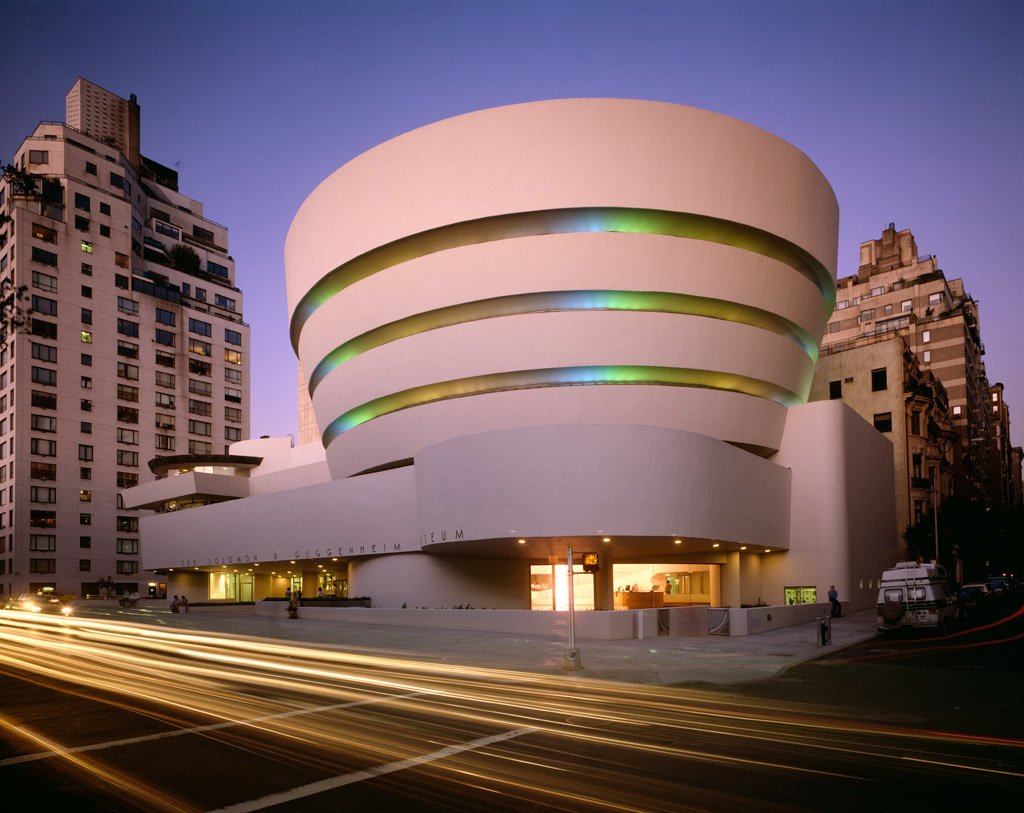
(563, 221)
(548, 301)
(556, 377)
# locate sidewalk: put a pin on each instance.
(661, 660)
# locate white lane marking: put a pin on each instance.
(178, 732)
(370, 773)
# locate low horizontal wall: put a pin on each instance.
(606, 625)
(754, 620)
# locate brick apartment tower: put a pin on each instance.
(135, 346)
(897, 295)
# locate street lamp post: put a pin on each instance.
(572, 654)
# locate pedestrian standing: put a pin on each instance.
(184, 604)
(833, 597)
(175, 603)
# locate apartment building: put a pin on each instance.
(134, 347)
(895, 290)
(882, 380)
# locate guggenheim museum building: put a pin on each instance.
(585, 322)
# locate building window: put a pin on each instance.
(232, 433)
(927, 356)
(44, 400)
(233, 414)
(42, 565)
(232, 356)
(85, 541)
(164, 379)
(86, 316)
(164, 337)
(926, 336)
(44, 423)
(232, 337)
(127, 567)
(915, 422)
(85, 473)
(87, 247)
(42, 542)
(165, 399)
(90, 168)
(128, 371)
(82, 223)
(129, 306)
(43, 471)
(164, 359)
(44, 330)
(84, 495)
(127, 458)
(44, 257)
(128, 524)
(200, 407)
(43, 494)
(937, 298)
(127, 414)
(165, 317)
(86, 428)
(85, 519)
(121, 281)
(104, 208)
(42, 519)
(126, 392)
(200, 428)
(86, 336)
(906, 305)
(867, 315)
(200, 347)
(200, 387)
(879, 380)
(128, 546)
(44, 352)
(86, 360)
(85, 382)
(883, 421)
(84, 565)
(128, 328)
(44, 282)
(43, 448)
(85, 454)
(224, 302)
(44, 306)
(887, 310)
(120, 260)
(232, 395)
(165, 443)
(129, 350)
(842, 304)
(87, 269)
(129, 437)
(200, 327)
(233, 376)
(199, 447)
(126, 479)
(41, 375)
(82, 202)
(197, 367)
(164, 421)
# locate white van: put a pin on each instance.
(916, 595)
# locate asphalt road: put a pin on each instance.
(98, 715)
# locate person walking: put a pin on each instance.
(175, 604)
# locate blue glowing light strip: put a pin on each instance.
(563, 221)
(556, 377)
(547, 301)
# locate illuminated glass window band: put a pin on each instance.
(556, 377)
(548, 301)
(563, 221)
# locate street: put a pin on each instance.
(102, 715)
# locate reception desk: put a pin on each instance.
(638, 600)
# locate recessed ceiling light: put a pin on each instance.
(607, 539)
(767, 550)
(521, 541)
(292, 562)
(679, 541)
(743, 547)
(715, 545)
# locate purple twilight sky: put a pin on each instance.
(913, 110)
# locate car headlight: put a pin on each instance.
(65, 610)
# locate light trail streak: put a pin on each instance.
(325, 708)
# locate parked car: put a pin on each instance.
(973, 600)
(39, 603)
(998, 584)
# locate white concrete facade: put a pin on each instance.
(588, 321)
